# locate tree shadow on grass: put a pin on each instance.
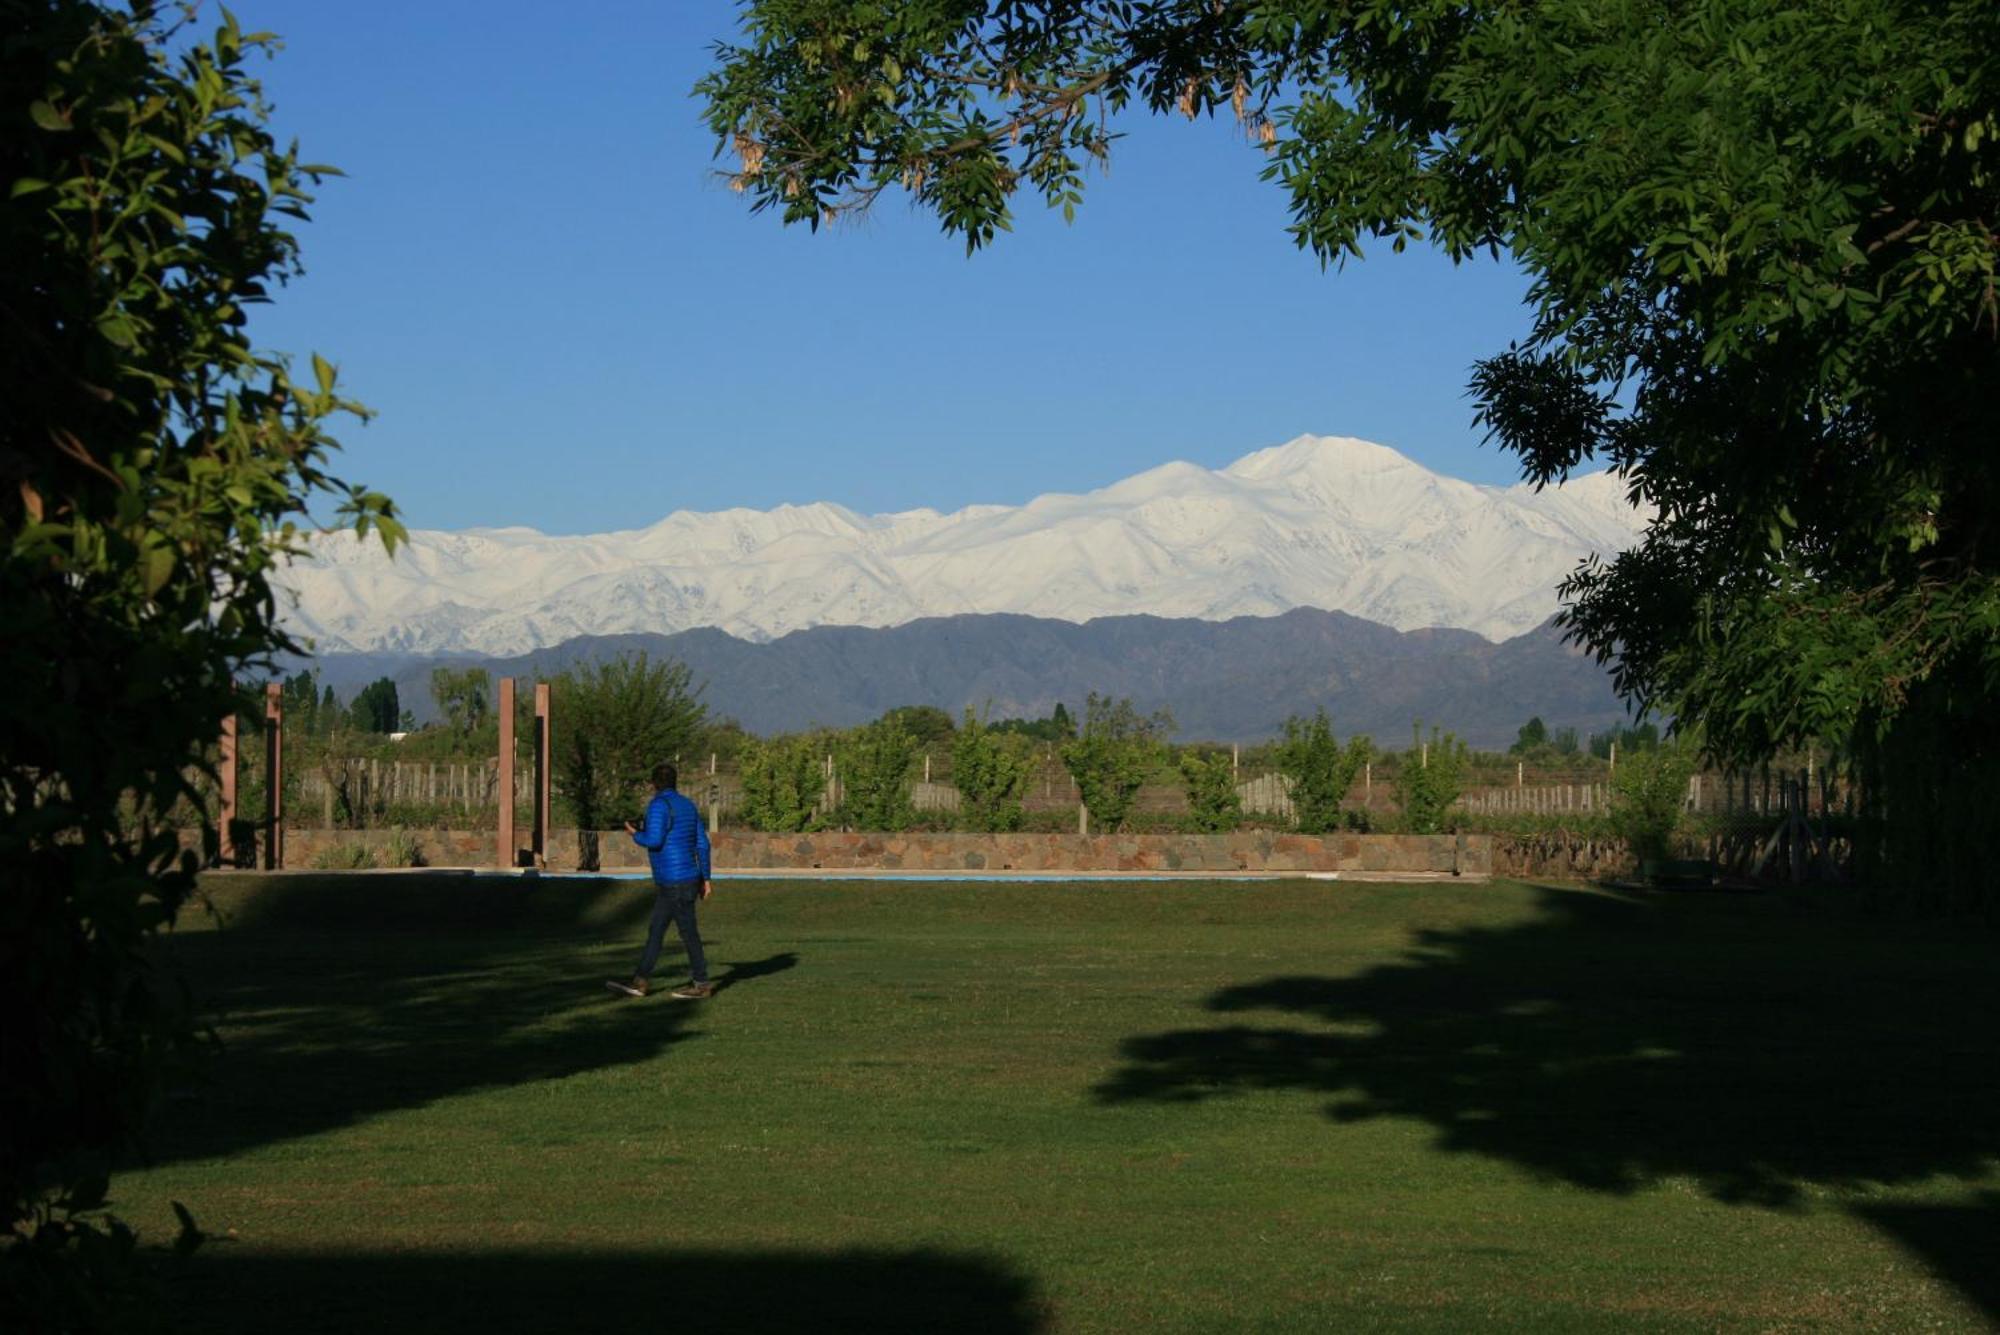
(1960, 1243)
(341, 998)
(1753, 1045)
(533, 1293)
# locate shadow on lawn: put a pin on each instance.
(340, 1001)
(537, 1292)
(1755, 1045)
(1959, 1242)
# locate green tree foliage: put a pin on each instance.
(723, 739)
(1533, 735)
(376, 708)
(301, 699)
(1115, 751)
(463, 696)
(1213, 803)
(873, 763)
(1629, 740)
(991, 770)
(614, 720)
(1057, 727)
(1429, 779)
(1765, 244)
(783, 783)
(930, 727)
(155, 469)
(1320, 770)
(1647, 797)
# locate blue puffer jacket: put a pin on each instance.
(675, 840)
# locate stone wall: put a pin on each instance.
(737, 851)
(1561, 857)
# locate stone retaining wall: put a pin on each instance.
(1554, 857)
(1538, 857)
(738, 851)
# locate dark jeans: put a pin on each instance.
(677, 902)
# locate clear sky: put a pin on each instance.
(565, 321)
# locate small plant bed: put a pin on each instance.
(1270, 1105)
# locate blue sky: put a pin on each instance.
(564, 321)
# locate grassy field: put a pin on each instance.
(1281, 1106)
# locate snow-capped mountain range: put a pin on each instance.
(1321, 521)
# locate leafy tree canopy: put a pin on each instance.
(1115, 751)
(1764, 237)
(1429, 780)
(463, 696)
(927, 725)
(873, 763)
(614, 720)
(155, 469)
(1319, 769)
(376, 708)
(991, 770)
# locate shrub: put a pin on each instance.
(1213, 804)
(1648, 795)
(1320, 770)
(991, 771)
(1113, 753)
(783, 784)
(1429, 780)
(402, 850)
(344, 857)
(874, 768)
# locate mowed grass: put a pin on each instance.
(1091, 1107)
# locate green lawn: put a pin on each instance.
(1091, 1107)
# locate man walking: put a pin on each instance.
(677, 845)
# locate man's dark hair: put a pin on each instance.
(665, 775)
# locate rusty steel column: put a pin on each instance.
(274, 776)
(543, 754)
(505, 851)
(225, 776)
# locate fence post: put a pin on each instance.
(543, 754)
(274, 775)
(504, 851)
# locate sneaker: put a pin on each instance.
(694, 991)
(635, 988)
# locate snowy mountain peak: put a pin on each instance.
(1319, 521)
(1320, 456)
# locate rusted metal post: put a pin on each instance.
(544, 753)
(225, 776)
(274, 776)
(504, 852)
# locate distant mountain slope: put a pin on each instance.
(1234, 680)
(1318, 522)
